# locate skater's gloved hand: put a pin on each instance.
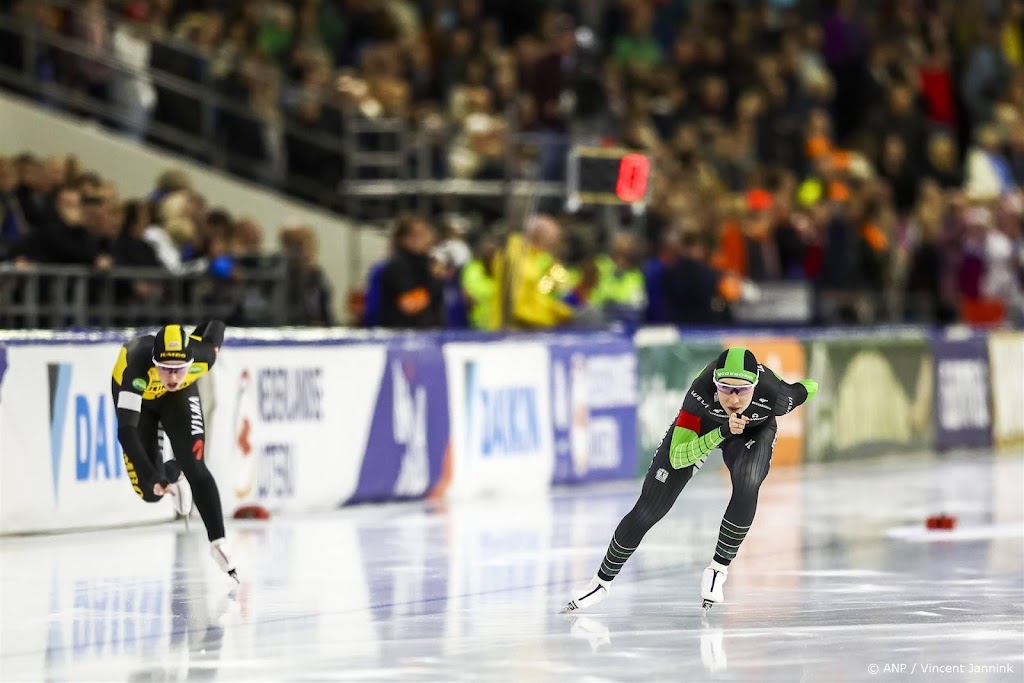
(737, 423)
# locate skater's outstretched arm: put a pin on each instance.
(207, 339)
(789, 396)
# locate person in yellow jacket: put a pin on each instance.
(480, 288)
(531, 281)
(620, 287)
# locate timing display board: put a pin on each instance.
(599, 175)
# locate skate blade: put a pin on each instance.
(234, 575)
(569, 609)
(707, 604)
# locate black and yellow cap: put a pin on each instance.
(171, 345)
(737, 362)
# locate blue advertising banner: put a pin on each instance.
(409, 434)
(963, 414)
(594, 406)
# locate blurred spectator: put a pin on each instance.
(450, 256)
(132, 85)
(536, 279)
(988, 171)
(638, 49)
(131, 249)
(900, 171)
(186, 55)
(34, 188)
(411, 293)
(936, 77)
(87, 23)
(479, 286)
(62, 238)
(844, 47)
(1017, 153)
(309, 294)
(984, 75)
(653, 271)
(691, 288)
(902, 120)
(13, 226)
(549, 82)
(942, 163)
(1004, 261)
(924, 296)
(621, 291)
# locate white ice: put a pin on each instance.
(837, 581)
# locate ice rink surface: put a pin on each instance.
(837, 581)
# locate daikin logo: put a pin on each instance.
(502, 419)
(94, 443)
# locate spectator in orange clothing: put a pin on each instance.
(411, 293)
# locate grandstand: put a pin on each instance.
(471, 254)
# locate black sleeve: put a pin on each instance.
(128, 403)
(208, 338)
(787, 396)
(211, 332)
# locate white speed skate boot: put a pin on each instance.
(222, 555)
(712, 586)
(595, 592)
(181, 491)
(182, 498)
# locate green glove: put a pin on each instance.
(811, 386)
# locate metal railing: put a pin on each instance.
(55, 297)
(333, 167)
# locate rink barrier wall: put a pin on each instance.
(963, 400)
(301, 420)
(1006, 358)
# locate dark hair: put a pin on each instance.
(88, 178)
(403, 227)
(219, 219)
(133, 208)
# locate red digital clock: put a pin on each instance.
(598, 175)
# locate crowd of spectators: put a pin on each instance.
(55, 212)
(861, 146)
(876, 153)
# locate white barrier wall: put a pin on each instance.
(501, 430)
(291, 424)
(1006, 360)
(315, 420)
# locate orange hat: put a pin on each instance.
(817, 146)
(838, 192)
(759, 200)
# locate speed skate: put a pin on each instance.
(712, 585)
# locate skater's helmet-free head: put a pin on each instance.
(736, 374)
(172, 356)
